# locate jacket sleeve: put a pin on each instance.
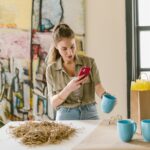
(49, 81)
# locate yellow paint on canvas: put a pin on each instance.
(16, 13)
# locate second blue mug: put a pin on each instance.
(145, 128)
(126, 129)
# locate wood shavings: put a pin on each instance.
(111, 121)
(36, 133)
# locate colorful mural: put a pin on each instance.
(15, 60)
(25, 38)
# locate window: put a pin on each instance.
(138, 42)
(142, 27)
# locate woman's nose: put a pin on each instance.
(69, 52)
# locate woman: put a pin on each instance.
(73, 96)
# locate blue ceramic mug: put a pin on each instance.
(126, 129)
(145, 128)
(108, 103)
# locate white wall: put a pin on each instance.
(106, 42)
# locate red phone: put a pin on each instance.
(84, 71)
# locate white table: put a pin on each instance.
(7, 142)
(92, 135)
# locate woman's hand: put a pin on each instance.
(76, 83)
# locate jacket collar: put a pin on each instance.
(59, 62)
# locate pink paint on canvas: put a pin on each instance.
(15, 43)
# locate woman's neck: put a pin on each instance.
(70, 68)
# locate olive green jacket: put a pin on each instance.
(57, 79)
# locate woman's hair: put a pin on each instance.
(60, 31)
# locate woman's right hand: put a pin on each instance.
(73, 85)
(76, 83)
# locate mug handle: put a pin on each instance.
(135, 127)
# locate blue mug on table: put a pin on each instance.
(145, 128)
(126, 129)
(108, 103)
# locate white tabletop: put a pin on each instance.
(7, 142)
(91, 135)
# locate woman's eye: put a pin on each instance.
(72, 47)
(64, 49)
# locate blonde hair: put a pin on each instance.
(60, 31)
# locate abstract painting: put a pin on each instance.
(26, 28)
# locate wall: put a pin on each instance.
(106, 42)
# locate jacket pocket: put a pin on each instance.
(88, 79)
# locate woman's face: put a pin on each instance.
(67, 49)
